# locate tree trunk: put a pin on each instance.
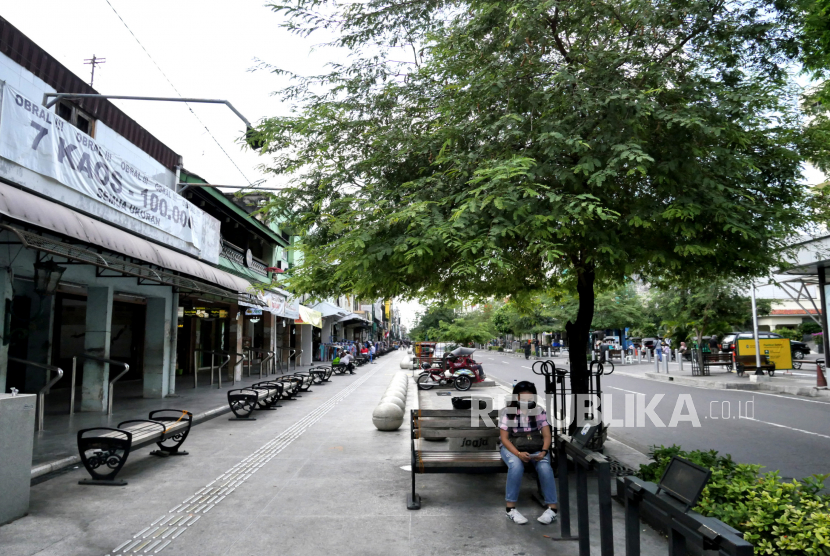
(579, 331)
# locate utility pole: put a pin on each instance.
(94, 61)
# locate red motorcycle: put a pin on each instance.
(457, 369)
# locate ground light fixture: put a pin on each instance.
(47, 277)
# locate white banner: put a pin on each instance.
(274, 304)
(41, 141)
(292, 309)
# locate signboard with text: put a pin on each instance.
(41, 141)
(777, 349)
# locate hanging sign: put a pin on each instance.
(253, 312)
(43, 142)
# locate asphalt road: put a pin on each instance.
(780, 432)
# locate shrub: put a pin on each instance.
(809, 327)
(778, 517)
(790, 333)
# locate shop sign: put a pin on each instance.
(206, 312)
(43, 142)
(253, 312)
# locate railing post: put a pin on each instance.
(606, 524)
(211, 369)
(582, 511)
(195, 367)
(72, 386)
(564, 493)
(632, 520)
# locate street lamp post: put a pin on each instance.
(758, 370)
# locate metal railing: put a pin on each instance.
(111, 382)
(262, 361)
(197, 368)
(686, 528)
(237, 255)
(41, 394)
(584, 460)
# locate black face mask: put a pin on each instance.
(527, 405)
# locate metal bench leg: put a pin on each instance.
(242, 402)
(413, 499)
(171, 417)
(104, 453)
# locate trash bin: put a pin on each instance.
(17, 428)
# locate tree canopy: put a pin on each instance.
(497, 148)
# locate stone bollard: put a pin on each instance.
(388, 415)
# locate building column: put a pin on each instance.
(286, 343)
(306, 344)
(157, 348)
(235, 342)
(95, 386)
(174, 343)
(267, 334)
(5, 307)
(42, 319)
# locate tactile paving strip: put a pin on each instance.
(159, 534)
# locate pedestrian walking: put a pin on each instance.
(527, 350)
(713, 344)
(371, 353)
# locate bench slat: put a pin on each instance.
(459, 413)
(452, 423)
(458, 433)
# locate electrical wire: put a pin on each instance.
(177, 92)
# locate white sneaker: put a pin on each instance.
(516, 516)
(547, 517)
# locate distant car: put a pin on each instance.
(799, 349)
(650, 343)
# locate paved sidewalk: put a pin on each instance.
(56, 446)
(313, 477)
(653, 543)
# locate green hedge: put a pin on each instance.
(777, 517)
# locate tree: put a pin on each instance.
(465, 331)
(538, 145)
(429, 321)
(712, 307)
(613, 309)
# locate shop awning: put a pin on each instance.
(328, 309)
(310, 316)
(25, 207)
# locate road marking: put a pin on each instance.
(238, 474)
(786, 427)
(531, 368)
(732, 390)
(624, 390)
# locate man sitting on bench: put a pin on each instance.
(346, 361)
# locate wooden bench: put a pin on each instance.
(104, 450)
(306, 380)
(745, 363)
(290, 386)
(321, 373)
(451, 423)
(710, 360)
(618, 353)
(262, 395)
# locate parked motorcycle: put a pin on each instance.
(457, 368)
